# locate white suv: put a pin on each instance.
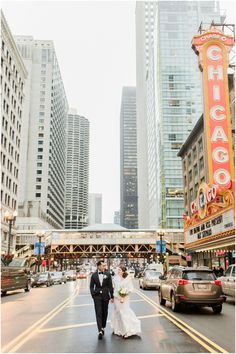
(228, 281)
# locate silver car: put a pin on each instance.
(228, 281)
(150, 280)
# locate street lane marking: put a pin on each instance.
(79, 305)
(179, 324)
(61, 328)
(91, 304)
(16, 343)
(150, 316)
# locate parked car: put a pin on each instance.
(228, 281)
(131, 272)
(58, 277)
(138, 272)
(195, 286)
(150, 279)
(42, 279)
(70, 275)
(14, 278)
(82, 274)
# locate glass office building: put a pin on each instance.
(174, 103)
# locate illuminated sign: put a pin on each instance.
(204, 197)
(213, 226)
(213, 48)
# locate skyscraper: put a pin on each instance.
(13, 77)
(145, 14)
(174, 103)
(77, 171)
(128, 159)
(95, 208)
(43, 153)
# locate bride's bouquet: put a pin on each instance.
(123, 292)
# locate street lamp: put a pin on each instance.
(39, 234)
(10, 218)
(161, 234)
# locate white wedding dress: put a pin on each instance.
(124, 321)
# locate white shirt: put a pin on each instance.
(100, 278)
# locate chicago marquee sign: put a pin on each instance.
(213, 209)
(213, 49)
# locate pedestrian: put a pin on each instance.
(215, 271)
(221, 272)
(101, 290)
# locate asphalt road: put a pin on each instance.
(61, 319)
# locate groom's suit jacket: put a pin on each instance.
(104, 290)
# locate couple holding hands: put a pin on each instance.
(104, 290)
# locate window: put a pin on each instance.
(195, 170)
(194, 153)
(189, 159)
(38, 179)
(196, 189)
(38, 195)
(200, 146)
(171, 77)
(191, 195)
(39, 172)
(174, 103)
(38, 187)
(190, 175)
(172, 137)
(201, 164)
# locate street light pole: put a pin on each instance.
(10, 218)
(161, 234)
(39, 235)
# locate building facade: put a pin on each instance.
(13, 78)
(207, 160)
(117, 217)
(77, 171)
(43, 158)
(95, 208)
(174, 103)
(128, 159)
(144, 18)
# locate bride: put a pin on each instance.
(124, 321)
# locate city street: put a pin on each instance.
(61, 319)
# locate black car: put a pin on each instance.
(14, 278)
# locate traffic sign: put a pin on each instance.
(158, 246)
(40, 245)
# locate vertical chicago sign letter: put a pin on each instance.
(213, 48)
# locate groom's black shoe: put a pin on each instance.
(100, 335)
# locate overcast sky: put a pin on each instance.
(95, 47)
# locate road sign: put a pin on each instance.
(158, 246)
(42, 248)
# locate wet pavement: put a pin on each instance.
(61, 319)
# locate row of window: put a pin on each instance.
(192, 155)
(12, 65)
(7, 200)
(8, 183)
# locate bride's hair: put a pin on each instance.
(124, 270)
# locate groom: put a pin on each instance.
(102, 291)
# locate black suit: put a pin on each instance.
(101, 295)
